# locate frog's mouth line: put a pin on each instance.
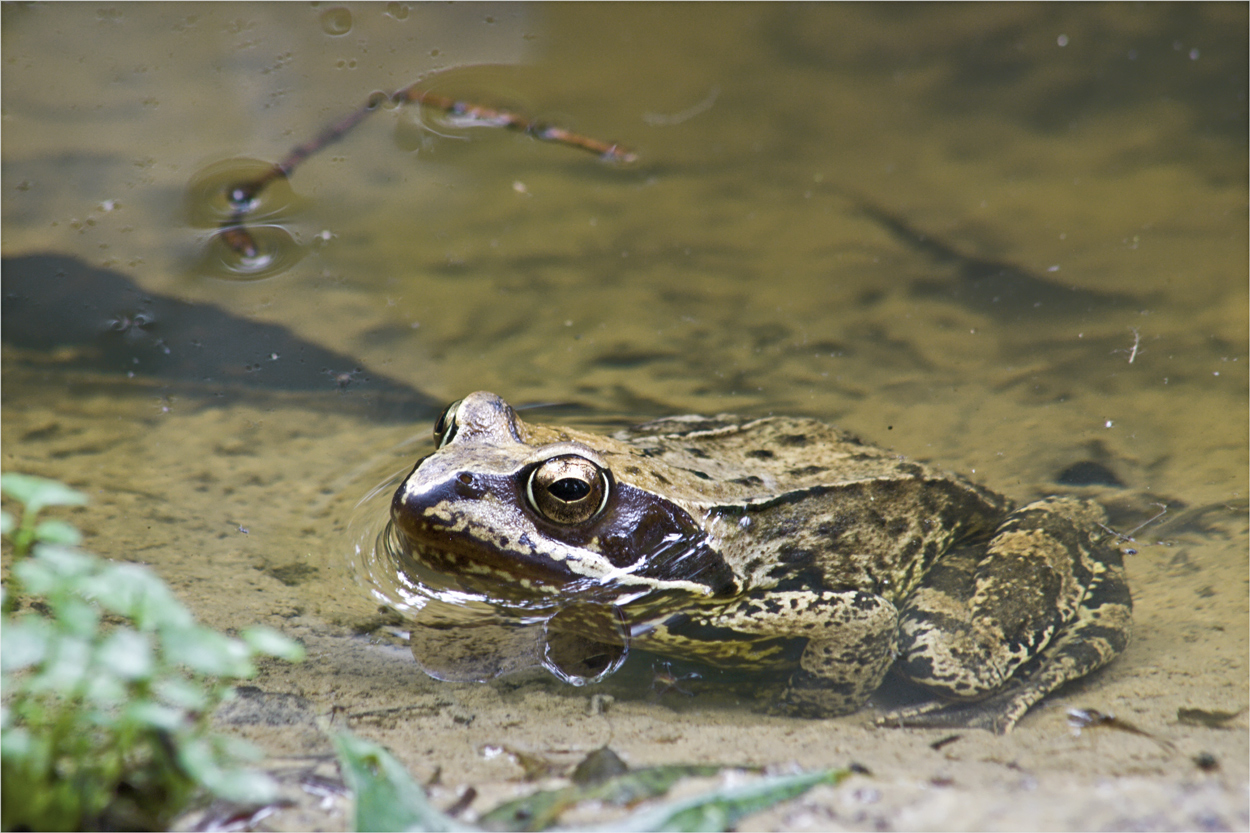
(473, 627)
(460, 574)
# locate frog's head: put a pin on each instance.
(538, 511)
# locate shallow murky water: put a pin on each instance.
(1009, 240)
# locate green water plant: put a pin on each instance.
(387, 798)
(109, 684)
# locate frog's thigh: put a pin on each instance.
(1048, 576)
(851, 639)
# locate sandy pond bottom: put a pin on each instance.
(1094, 151)
(360, 676)
(1039, 777)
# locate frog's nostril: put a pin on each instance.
(467, 486)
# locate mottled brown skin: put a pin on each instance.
(781, 545)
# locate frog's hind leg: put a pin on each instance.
(997, 629)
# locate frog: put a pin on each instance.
(782, 548)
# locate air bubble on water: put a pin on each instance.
(336, 21)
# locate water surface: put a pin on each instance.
(1010, 240)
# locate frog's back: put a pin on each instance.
(729, 458)
(796, 502)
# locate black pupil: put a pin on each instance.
(445, 426)
(569, 489)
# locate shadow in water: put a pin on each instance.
(998, 288)
(77, 317)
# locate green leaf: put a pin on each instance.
(7, 523)
(181, 694)
(134, 591)
(198, 759)
(36, 492)
(723, 808)
(238, 749)
(55, 531)
(16, 744)
(387, 799)
(75, 616)
(542, 809)
(207, 652)
(24, 643)
(536, 811)
(68, 664)
(127, 654)
(267, 641)
(107, 691)
(205, 763)
(53, 567)
(155, 715)
(244, 786)
(66, 561)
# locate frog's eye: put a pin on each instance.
(445, 425)
(568, 489)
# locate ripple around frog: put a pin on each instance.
(466, 634)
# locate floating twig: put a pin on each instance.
(1135, 349)
(1128, 536)
(1211, 718)
(1132, 354)
(666, 680)
(242, 196)
(1079, 719)
(664, 120)
(949, 739)
(490, 117)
